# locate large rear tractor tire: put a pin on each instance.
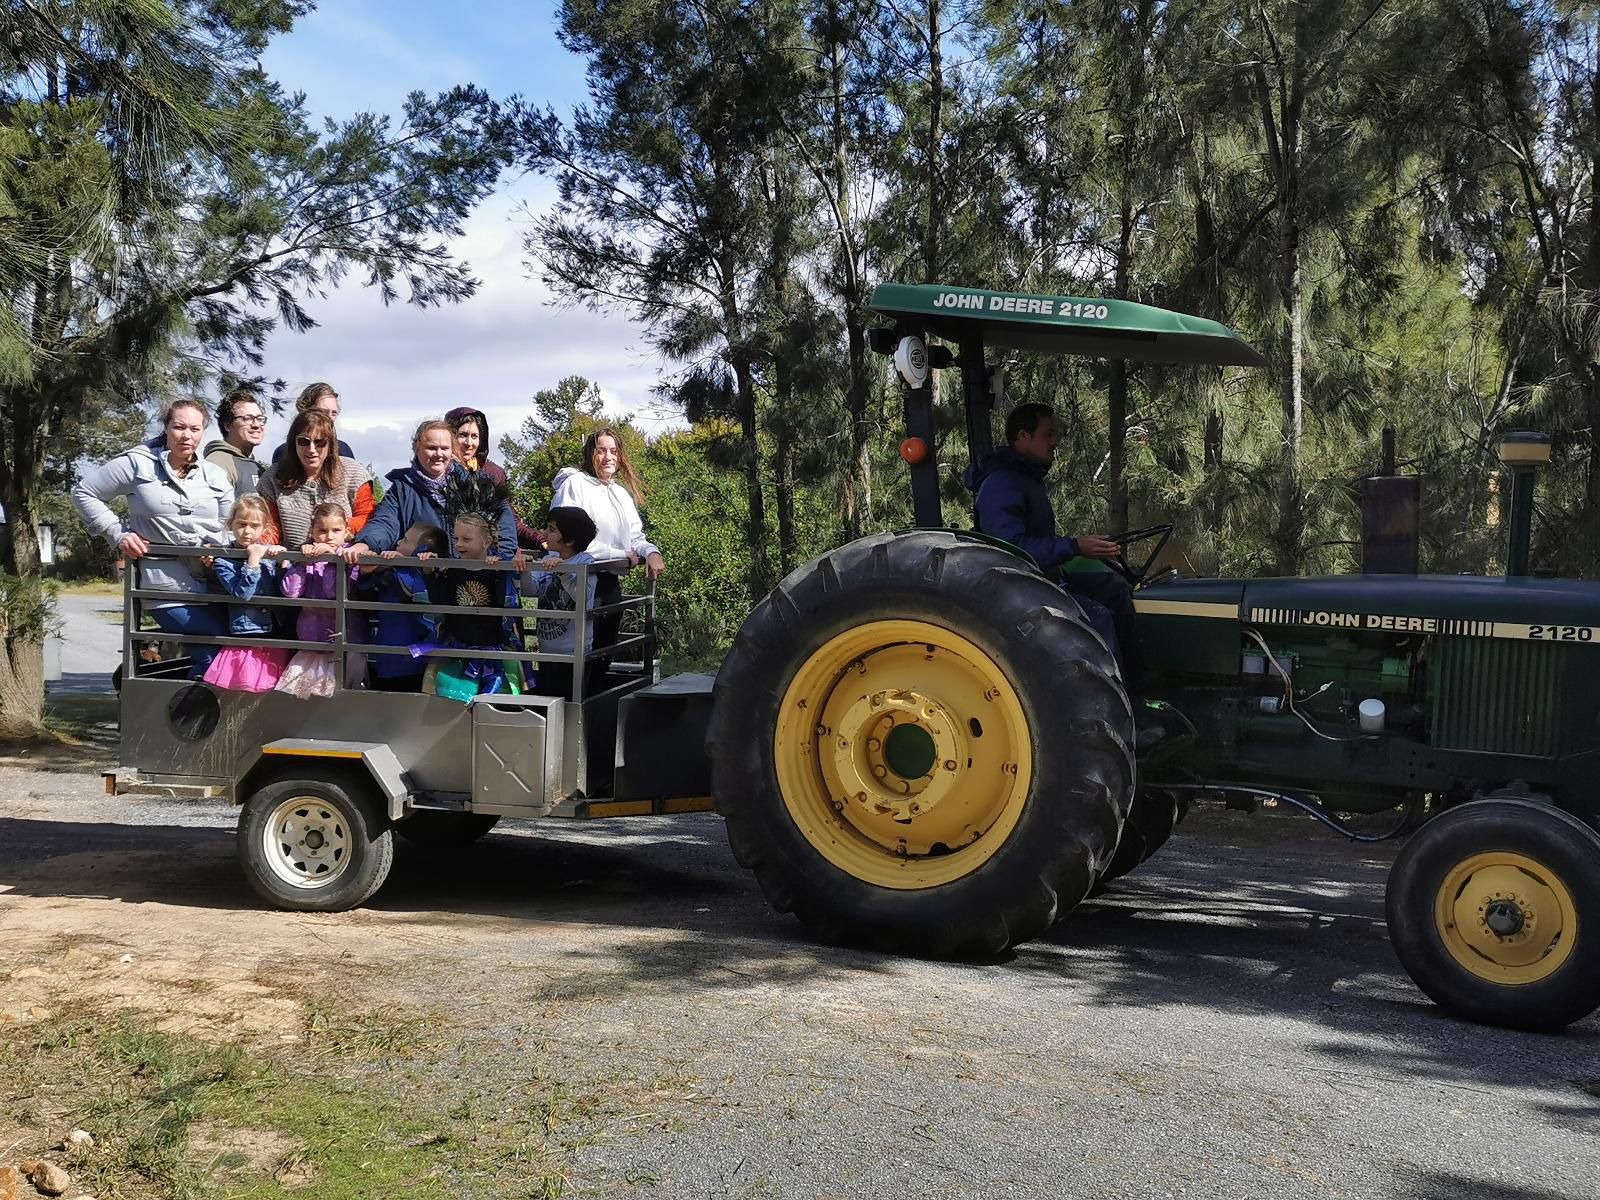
(1494, 911)
(919, 745)
(315, 844)
(1151, 820)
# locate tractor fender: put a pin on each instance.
(373, 760)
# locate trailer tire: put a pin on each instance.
(315, 844)
(919, 745)
(1154, 815)
(1494, 911)
(429, 827)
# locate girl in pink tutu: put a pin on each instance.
(311, 673)
(248, 668)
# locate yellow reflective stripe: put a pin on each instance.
(1187, 608)
(687, 804)
(298, 752)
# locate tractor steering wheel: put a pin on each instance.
(1135, 573)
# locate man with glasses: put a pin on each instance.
(243, 424)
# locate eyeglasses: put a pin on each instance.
(250, 420)
(306, 443)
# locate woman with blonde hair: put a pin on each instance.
(310, 471)
(415, 496)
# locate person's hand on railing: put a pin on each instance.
(654, 565)
(357, 549)
(132, 546)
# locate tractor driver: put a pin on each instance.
(1013, 505)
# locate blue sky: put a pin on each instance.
(395, 366)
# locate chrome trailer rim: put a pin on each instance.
(307, 842)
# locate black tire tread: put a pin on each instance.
(1543, 832)
(990, 597)
(355, 887)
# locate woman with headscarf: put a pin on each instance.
(415, 496)
(175, 498)
(470, 429)
(310, 471)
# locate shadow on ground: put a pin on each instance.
(1226, 920)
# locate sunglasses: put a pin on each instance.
(306, 443)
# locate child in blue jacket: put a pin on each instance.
(248, 668)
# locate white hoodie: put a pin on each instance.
(618, 529)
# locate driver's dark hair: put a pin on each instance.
(1025, 418)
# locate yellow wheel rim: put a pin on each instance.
(1506, 918)
(903, 754)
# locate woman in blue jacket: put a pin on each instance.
(415, 496)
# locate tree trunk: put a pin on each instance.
(1290, 532)
(858, 389)
(1116, 461)
(21, 645)
(858, 508)
(930, 237)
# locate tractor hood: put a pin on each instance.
(1469, 605)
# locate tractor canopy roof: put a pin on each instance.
(1063, 325)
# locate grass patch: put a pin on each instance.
(357, 1109)
(91, 587)
(83, 719)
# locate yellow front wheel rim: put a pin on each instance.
(903, 754)
(1506, 918)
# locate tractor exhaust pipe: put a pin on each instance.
(1522, 453)
(1389, 508)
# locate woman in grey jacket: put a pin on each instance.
(175, 498)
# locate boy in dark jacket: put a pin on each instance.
(1013, 504)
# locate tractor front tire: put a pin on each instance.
(315, 843)
(1494, 911)
(919, 745)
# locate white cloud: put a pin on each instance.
(394, 367)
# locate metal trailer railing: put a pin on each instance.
(342, 605)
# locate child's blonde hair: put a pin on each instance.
(252, 504)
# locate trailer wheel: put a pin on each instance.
(427, 827)
(919, 745)
(1494, 911)
(1151, 820)
(314, 844)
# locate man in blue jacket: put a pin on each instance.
(1012, 504)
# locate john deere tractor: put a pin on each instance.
(920, 744)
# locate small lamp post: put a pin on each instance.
(1522, 453)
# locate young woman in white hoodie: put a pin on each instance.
(609, 490)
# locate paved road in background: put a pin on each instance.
(91, 642)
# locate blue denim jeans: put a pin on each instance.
(199, 619)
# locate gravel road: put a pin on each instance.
(1228, 1022)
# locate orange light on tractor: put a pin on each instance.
(914, 450)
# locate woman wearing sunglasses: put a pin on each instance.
(309, 472)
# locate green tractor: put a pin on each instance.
(920, 745)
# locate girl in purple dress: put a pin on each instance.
(311, 673)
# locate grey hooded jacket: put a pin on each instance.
(162, 508)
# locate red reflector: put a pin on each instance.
(914, 450)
